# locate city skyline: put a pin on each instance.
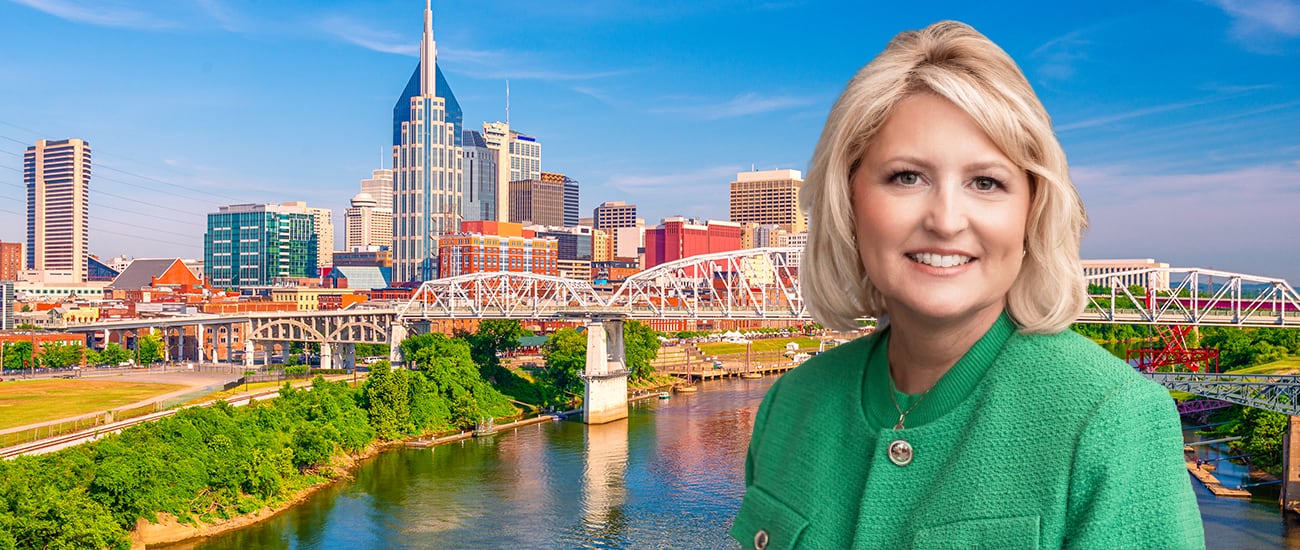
(1178, 117)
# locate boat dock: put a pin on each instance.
(423, 443)
(1212, 483)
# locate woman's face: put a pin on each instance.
(940, 214)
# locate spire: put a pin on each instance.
(428, 54)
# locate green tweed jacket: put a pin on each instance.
(1029, 441)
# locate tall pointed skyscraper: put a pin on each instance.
(428, 180)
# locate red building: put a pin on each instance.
(11, 260)
(678, 238)
(487, 246)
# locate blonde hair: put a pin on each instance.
(954, 61)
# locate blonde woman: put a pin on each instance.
(940, 202)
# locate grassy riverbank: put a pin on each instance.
(34, 401)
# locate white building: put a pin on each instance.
(1155, 281)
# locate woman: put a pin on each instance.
(940, 202)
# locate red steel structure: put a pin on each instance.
(1175, 354)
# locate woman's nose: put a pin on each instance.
(946, 214)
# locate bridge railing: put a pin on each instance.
(1274, 392)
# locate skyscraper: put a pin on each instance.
(537, 202)
(497, 137)
(480, 179)
(253, 244)
(57, 176)
(380, 187)
(428, 181)
(611, 216)
(570, 195)
(768, 197)
(368, 224)
(525, 157)
(323, 227)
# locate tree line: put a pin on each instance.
(218, 462)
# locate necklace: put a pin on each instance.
(900, 451)
(902, 414)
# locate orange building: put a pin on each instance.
(148, 279)
(488, 246)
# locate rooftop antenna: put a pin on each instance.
(507, 102)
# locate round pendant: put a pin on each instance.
(900, 452)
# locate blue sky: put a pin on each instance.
(1180, 118)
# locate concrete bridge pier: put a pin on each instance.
(605, 396)
(396, 334)
(1290, 497)
(326, 356)
(349, 356)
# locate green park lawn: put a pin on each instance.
(767, 344)
(1290, 365)
(32, 401)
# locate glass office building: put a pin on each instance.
(253, 244)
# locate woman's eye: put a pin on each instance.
(907, 178)
(986, 184)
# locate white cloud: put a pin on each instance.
(355, 32)
(1117, 117)
(742, 105)
(1258, 25)
(695, 179)
(1239, 220)
(102, 13)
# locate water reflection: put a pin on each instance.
(604, 485)
(670, 476)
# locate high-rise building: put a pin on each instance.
(612, 215)
(537, 202)
(768, 197)
(368, 223)
(428, 181)
(678, 238)
(574, 253)
(570, 195)
(480, 179)
(497, 137)
(380, 186)
(11, 260)
(602, 246)
(323, 227)
(525, 157)
(57, 176)
(253, 244)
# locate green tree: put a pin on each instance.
(386, 397)
(17, 355)
(448, 367)
(565, 353)
(494, 336)
(148, 349)
(113, 354)
(57, 355)
(1262, 431)
(640, 347)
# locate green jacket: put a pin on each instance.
(1029, 441)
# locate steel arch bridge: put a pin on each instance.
(1234, 299)
(763, 283)
(758, 283)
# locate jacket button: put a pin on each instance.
(760, 540)
(900, 452)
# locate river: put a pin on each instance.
(670, 476)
